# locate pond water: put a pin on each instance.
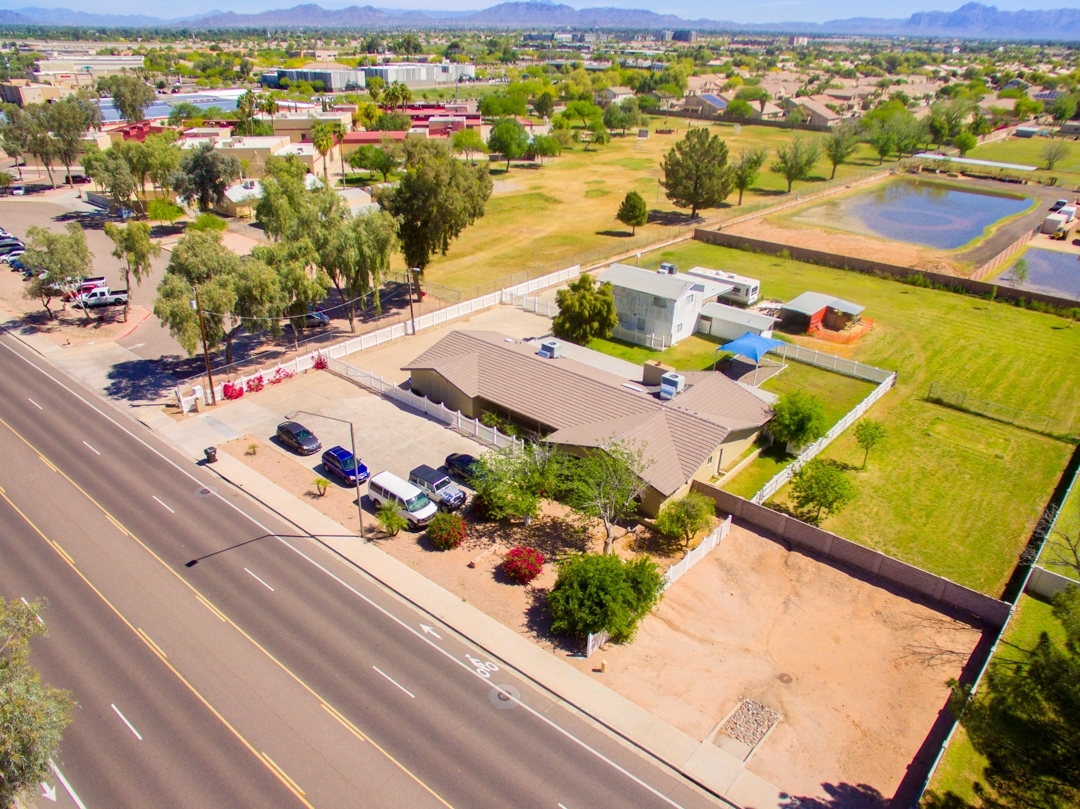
(931, 214)
(1050, 272)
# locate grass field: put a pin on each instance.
(1028, 152)
(539, 215)
(962, 765)
(950, 492)
(1068, 524)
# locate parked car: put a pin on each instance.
(438, 487)
(1057, 206)
(314, 320)
(460, 464)
(10, 241)
(298, 438)
(409, 501)
(86, 285)
(13, 254)
(341, 463)
(15, 264)
(101, 296)
(18, 190)
(77, 179)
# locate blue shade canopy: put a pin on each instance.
(752, 346)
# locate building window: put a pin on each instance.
(657, 302)
(678, 327)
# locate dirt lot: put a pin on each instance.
(867, 669)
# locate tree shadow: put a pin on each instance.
(139, 380)
(841, 796)
(619, 234)
(92, 220)
(538, 622)
(672, 218)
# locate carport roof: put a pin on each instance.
(810, 303)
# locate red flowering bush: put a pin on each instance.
(232, 390)
(446, 531)
(523, 564)
(256, 384)
(280, 375)
(319, 362)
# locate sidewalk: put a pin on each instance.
(703, 762)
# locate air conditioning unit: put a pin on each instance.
(248, 185)
(550, 349)
(668, 269)
(671, 385)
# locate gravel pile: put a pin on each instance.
(750, 722)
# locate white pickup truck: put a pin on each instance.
(102, 296)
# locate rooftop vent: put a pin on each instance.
(671, 385)
(550, 349)
(668, 269)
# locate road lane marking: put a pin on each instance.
(156, 498)
(150, 643)
(561, 806)
(47, 462)
(167, 664)
(260, 581)
(92, 449)
(60, 777)
(114, 521)
(210, 607)
(349, 726)
(35, 404)
(285, 779)
(395, 682)
(59, 550)
(131, 727)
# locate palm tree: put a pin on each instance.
(404, 94)
(322, 138)
(390, 95)
(337, 131)
(245, 108)
(267, 104)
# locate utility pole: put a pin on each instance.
(206, 352)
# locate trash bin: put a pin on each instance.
(211, 454)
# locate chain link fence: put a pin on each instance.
(957, 399)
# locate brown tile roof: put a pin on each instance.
(589, 407)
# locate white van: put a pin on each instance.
(411, 503)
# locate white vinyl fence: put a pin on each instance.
(831, 362)
(785, 474)
(469, 426)
(679, 569)
(398, 330)
(594, 642)
(640, 338)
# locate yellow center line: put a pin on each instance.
(55, 545)
(154, 646)
(220, 614)
(349, 726)
(150, 644)
(285, 777)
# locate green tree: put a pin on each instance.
(52, 258)
(375, 86)
(322, 138)
(605, 485)
(205, 175)
(798, 418)
(69, 120)
(542, 146)
(586, 311)
(373, 159)
(598, 134)
(436, 198)
(468, 142)
(633, 211)
(601, 592)
(882, 140)
(796, 160)
(37, 132)
(794, 117)
(544, 104)
(33, 715)
(1054, 152)
(14, 134)
(1063, 108)
(509, 139)
(1019, 272)
(747, 167)
(183, 112)
(840, 144)
(133, 247)
(302, 281)
(739, 108)
(868, 434)
(696, 171)
(130, 94)
(820, 488)
(511, 481)
(585, 111)
(164, 210)
(393, 122)
(1024, 721)
(965, 142)
(686, 517)
(111, 171)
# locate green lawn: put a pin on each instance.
(1028, 152)
(693, 353)
(564, 211)
(1068, 524)
(748, 481)
(962, 765)
(949, 492)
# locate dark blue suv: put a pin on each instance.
(339, 462)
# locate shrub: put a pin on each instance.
(597, 592)
(280, 375)
(319, 362)
(321, 485)
(798, 418)
(255, 384)
(232, 390)
(252, 448)
(446, 531)
(684, 518)
(208, 222)
(523, 564)
(821, 488)
(390, 520)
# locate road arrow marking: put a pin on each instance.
(48, 792)
(67, 786)
(430, 631)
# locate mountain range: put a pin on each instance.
(971, 21)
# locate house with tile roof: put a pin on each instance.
(692, 436)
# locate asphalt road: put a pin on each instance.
(426, 704)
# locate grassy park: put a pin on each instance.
(1028, 152)
(949, 491)
(961, 765)
(540, 215)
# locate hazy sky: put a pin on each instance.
(764, 11)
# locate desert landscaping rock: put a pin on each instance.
(750, 722)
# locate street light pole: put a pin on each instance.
(356, 458)
(206, 352)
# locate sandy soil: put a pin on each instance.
(847, 244)
(867, 668)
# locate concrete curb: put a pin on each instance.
(703, 763)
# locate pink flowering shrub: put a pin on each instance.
(319, 362)
(280, 375)
(523, 564)
(232, 390)
(256, 384)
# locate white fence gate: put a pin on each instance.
(594, 642)
(679, 569)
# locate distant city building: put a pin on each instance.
(799, 42)
(332, 81)
(417, 74)
(684, 36)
